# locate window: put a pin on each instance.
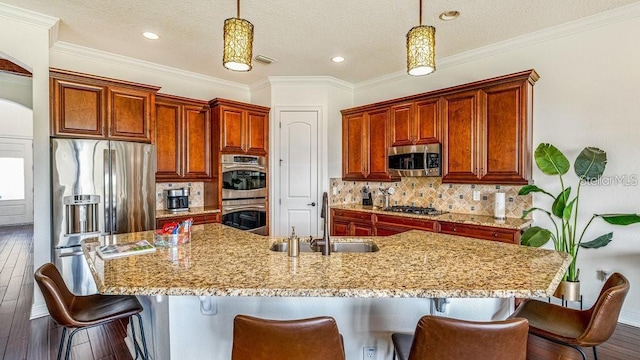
(12, 180)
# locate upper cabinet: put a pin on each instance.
(87, 106)
(241, 128)
(365, 140)
(484, 128)
(416, 122)
(183, 139)
(487, 132)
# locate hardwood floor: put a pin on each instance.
(38, 339)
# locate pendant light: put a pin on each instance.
(421, 49)
(238, 43)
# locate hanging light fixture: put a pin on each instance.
(421, 49)
(238, 43)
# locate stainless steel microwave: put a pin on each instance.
(415, 160)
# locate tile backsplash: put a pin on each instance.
(196, 193)
(430, 191)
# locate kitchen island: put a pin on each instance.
(369, 294)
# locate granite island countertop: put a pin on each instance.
(223, 261)
(482, 220)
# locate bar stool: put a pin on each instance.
(445, 338)
(576, 328)
(305, 339)
(82, 312)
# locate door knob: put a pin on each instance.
(312, 204)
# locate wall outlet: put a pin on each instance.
(476, 195)
(369, 352)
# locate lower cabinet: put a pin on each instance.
(351, 223)
(360, 223)
(197, 219)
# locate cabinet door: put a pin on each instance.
(232, 128)
(506, 146)
(481, 232)
(427, 121)
(361, 230)
(354, 151)
(340, 228)
(460, 138)
(197, 143)
(130, 114)
(257, 133)
(402, 125)
(78, 110)
(168, 137)
(378, 143)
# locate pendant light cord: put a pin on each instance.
(239, 9)
(420, 11)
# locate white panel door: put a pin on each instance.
(16, 183)
(299, 167)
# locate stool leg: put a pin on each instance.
(144, 342)
(64, 333)
(135, 343)
(66, 356)
(595, 353)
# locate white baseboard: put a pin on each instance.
(38, 311)
(630, 318)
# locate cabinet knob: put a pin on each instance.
(455, 229)
(495, 235)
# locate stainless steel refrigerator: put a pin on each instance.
(98, 187)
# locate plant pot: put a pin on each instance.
(568, 290)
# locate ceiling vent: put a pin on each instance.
(265, 59)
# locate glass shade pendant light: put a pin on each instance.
(421, 49)
(238, 43)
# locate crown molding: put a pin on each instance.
(312, 80)
(32, 18)
(89, 53)
(576, 26)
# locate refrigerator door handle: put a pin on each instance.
(75, 253)
(107, 192)
(112, 197)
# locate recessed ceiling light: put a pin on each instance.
(151, 36)
(449, 15)
(337, 59)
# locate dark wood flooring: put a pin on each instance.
(38, 339)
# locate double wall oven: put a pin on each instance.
(244, 192)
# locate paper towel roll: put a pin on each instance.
(499, 206)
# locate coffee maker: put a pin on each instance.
(176, 199)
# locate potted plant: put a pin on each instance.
(567, 235)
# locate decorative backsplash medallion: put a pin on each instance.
(430, 191)
(196, 193)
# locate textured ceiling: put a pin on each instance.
(302, 35)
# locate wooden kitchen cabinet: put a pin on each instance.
(487, 132)
(183, 139)
(241, 128)
(87, 106)
(385, 225)
(481, 232)
(416, 123)
(197, 219)
(351, 223)
(365, 140)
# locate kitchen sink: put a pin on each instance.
(339, 247)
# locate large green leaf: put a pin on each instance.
(535, 236)
(561, 201)
(600, 241)
(568, 209)
(528, 189)
(530, 210)
(620, 219)
(590, 164)
(551, 160)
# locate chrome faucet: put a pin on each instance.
(326, 241)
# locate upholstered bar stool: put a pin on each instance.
(438, 338)
(81, 312)
(305, 339)
(578, 328)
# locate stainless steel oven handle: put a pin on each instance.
(248, 207)
(244, 167)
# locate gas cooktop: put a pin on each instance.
(414, 210)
